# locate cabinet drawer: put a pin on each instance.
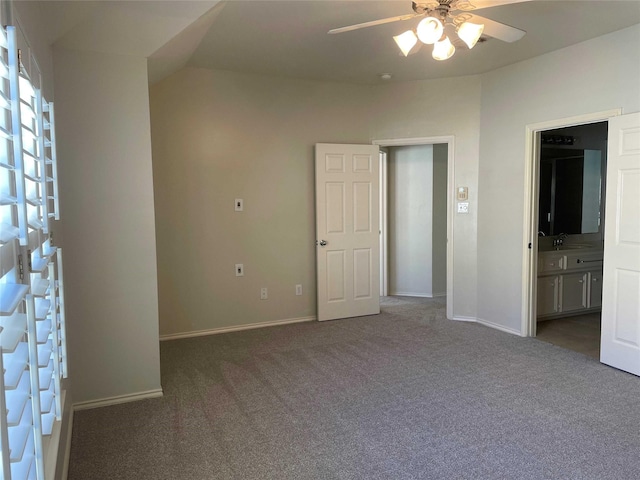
(576, 261)
(550, 263)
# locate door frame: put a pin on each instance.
(449, 140)
(530, 225)
(384, 231)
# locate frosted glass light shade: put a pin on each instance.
(443, 49)
(406, 41)
(430, 30)
(469, 33)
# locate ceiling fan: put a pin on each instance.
(442, 16)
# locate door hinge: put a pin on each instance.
(529, 246)
(29, 261)
(19, 60)
(51, 238)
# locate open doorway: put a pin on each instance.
(571, 172)
(559, 294)
(415, 218)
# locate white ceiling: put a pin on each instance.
(289, 38)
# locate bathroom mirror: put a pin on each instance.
(570, 193)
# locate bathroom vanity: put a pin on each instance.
(569, 280)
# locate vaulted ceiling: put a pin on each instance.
(289, 38)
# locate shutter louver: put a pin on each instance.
(32, 335)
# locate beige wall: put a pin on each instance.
(218, 136)
(106, 202)
(593, 76)
(448, 106)
(410, 220)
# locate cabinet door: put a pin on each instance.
(548, 300)
(574, 292)
(595, 289)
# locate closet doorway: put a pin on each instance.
(414, 183)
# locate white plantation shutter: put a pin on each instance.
(32, 337)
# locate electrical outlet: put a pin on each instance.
(239, 270)
(239, 205)
(263, 293)
(298, 289)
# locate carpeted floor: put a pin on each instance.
(403, 395)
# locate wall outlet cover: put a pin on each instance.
(463, 207)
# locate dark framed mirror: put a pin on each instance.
(571, 180)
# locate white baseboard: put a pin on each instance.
(67, 447)
(409, 294)
(486, 323)
(419, 295)
(461, 318)
(235, 328)
(499, 327)
(105, 402)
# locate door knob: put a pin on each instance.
(323, 243)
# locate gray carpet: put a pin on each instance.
(403, 395)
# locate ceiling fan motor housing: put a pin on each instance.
(440, 10)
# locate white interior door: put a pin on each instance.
(620, 339)
(347, 229)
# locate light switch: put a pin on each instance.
(463, 207)
(239, 204)
(462, 194)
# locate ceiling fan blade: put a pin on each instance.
(478, 4)
(375, 22)
(498, 30)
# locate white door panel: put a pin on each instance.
(620, 343)
(347, 228)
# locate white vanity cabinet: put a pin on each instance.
(548, 295)
(595, 289)
(569, 281)
(574, 291)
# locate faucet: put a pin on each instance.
(559, 241)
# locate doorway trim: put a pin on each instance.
(450, 141)
(530, 226)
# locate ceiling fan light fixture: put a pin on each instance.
(406, 41)
(470, 33)
(430, 30)
(443, 49)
